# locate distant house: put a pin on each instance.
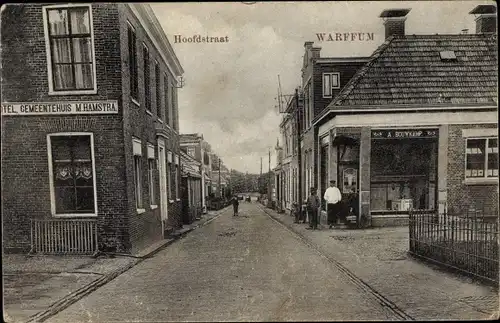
(191, 188)
(196, 147)
(417, 125)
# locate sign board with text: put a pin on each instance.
(59, 108)
(404, 133)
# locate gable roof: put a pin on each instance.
(409, 70)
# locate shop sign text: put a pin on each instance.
(53, 108)
(405, 133)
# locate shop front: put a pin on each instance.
(403, 170)
(381, 173)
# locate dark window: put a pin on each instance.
(73, 174)
(158, 91)
(132, 52)
(138, 180)
(71, 48)
(167, 99)
(147, 89)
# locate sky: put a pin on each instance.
(231, 88)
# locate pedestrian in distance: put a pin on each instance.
(236, 203)
(332, 198)
(313, 205)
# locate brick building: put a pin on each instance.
(195, 146)
(322, 80)
(287, 169)
(90, 141)
(417, 126)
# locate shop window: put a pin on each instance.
(330, 82)
(132, 54)
(72, 175)
(481, 158)
(403, 174)
(70, 47)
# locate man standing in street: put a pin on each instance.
(313, 204)
(332, 198)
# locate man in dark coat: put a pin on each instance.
(236, 203)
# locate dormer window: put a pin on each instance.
(331, 81)
(448, 55)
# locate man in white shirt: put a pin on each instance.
(332, 198)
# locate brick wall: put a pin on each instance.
(142, 125)
(25, 184)
(25, 178)
(461, 196)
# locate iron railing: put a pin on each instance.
(64, 236)
(466, 242)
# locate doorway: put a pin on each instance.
(163, 183)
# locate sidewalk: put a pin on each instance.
(37, 287)
(378, 256)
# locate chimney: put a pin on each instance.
(486, 21)
(308, 44)
(394, 21)
(315, 51)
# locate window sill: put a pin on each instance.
(74, 215)
(480, 181)
(149, 112)
(171, 201)
(178, 200)
(140, 211)
(134, 101)
(160, 120)
(74, 92)
(153, 207)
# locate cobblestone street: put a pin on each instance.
(246, 268)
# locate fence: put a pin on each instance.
(64, 236)
(467, 242)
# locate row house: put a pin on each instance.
(417, 125)
(196, 147)
(90, 131)
(287, 170)
(191, 187)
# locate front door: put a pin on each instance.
(349, 187)
(162, 168)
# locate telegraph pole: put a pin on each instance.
(269, 194)
(220, 188)
(260, 177)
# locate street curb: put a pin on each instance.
(357, 281)
(77, 295)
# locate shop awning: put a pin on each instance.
(344, 140)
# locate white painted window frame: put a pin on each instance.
(151, 177)
(330, 75)
(138, 184)
(485, 179)
(51, 175)
(48, 50)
